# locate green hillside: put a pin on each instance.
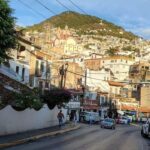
(85, 24)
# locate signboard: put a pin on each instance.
(73, 104)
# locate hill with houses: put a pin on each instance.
(84, 25)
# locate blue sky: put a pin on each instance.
(133, 15)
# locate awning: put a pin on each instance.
(128, 107)
(144, 109)
(90, 107)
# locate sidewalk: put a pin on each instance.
(20, 138)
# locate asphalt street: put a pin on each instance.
(124, 137)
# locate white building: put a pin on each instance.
(72, 47)
(119, 66)
(97, 80)
(31, 65)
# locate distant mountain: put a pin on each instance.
(84, 24)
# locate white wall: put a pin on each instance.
(12, 121)
(15, 63)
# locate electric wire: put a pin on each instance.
(29, 7)
(51, 11)
(73, 3)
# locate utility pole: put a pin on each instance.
(65, 73)
(85, 82)
(61, 71)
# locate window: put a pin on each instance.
(102, 100)
(23, 72)
(40, 85)
(17, 69)
(22, 48)
(46, 85)
(42, 67)
(37, 70)
(31, 81)
(90, 96)
(146, 67)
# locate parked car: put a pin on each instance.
(108, 123)
(145, 130)
(123, 120)
(86, 116)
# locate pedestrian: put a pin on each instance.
(72, 116)
(75, 118)
(60, 117)
(90, 119)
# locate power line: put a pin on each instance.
(51, 11)
(73, 3)
(28, 6)
(63, 5)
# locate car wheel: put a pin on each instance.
(144, 135)
(101, 126)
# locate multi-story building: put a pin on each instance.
(71, 77)
(31, 64)
(119, 65)
(140, 72)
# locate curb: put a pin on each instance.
(136, 125)
(33, 138)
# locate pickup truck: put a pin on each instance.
(145, 131)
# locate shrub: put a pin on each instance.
(56, 97)
(26, 100)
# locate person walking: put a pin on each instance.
(60, 117)
(75, 118)
(90, 119)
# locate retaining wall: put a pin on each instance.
(12, 121)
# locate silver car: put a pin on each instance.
(108, 123)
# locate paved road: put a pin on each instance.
(92, 138)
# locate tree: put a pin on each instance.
(111, 51)
(56, 97)
(7, 31)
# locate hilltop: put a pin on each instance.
(84, 24)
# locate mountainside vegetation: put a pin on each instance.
(83, 24)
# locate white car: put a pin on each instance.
(123, 120)
(86, 116)
(145, 131)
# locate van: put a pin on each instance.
(85, 116)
